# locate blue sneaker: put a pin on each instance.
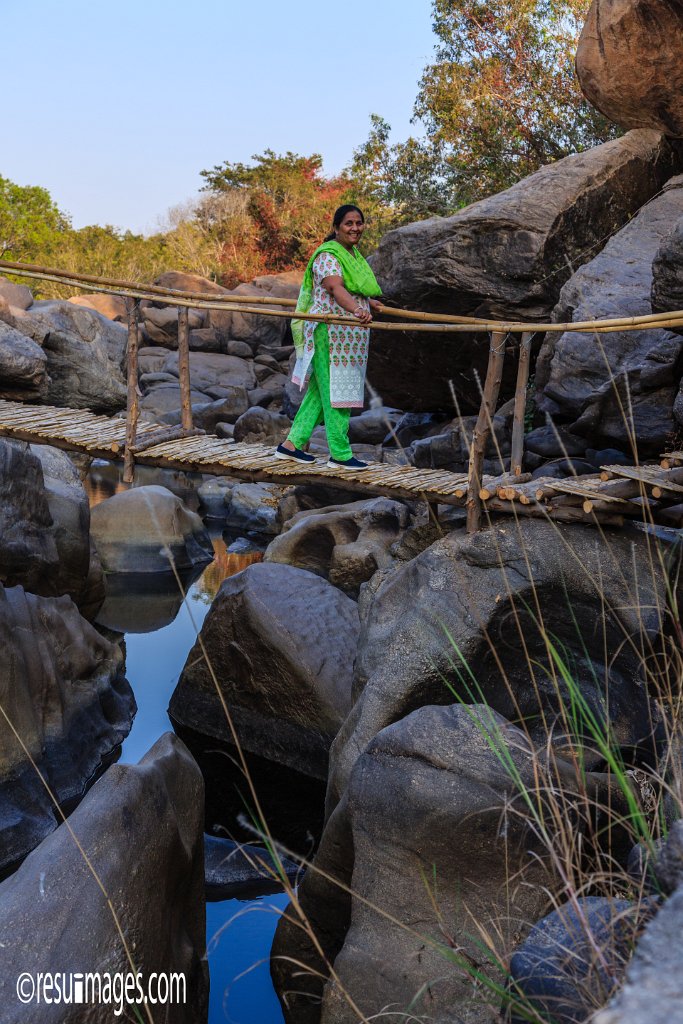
(349, 464)
(296, 456)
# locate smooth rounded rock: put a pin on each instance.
(149, 529)
(281, 643)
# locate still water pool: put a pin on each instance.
(160, 629)
(238, 933)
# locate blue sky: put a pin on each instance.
(115, 108)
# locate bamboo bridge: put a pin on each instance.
(649, 493)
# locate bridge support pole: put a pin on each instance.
(132, 406)
(482, 430)
(184, 368)
(517, 453)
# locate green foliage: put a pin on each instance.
(31, 224)
(500, 100)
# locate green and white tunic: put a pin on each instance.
(348, 345)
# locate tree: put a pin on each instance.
(500, 100)
(289, 206)
(31, 224)
(502, 97)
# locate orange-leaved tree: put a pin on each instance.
(284, 204)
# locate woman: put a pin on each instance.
(333, 358)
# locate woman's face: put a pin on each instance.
(351, 228)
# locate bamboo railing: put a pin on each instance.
(410, 321)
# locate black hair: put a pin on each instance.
(339, 215)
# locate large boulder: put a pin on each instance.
(126, 897)
(472, 616)
(17, 295)
(28, 552)
(163, 401)
(611, 387)
(653, 990)
(23, 367)
(255, 508)
(251, 328)
(214, 369)
(667, 273)
(424, 845)
(84, 353)
(281, 643)
(260, 426)
(148, 529)
(346, 544)
(573, 960)
(506, 256)
(66, 708)
(111, 306)
(45, 543)
(70, 512)
(629, 63)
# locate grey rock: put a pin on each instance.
(420, 822)
(669, 862)
(554, 442)
(28, 552)
(251, 328)
(556, 971)
(562, 468)
(413, 426)
(205, 339)
(608, 457)
(23, 367)
(225, 430)
(260, 426)
(70, 512)
(450, 449)
(476, 594)
(281, 642)
(372, 426)
(214, 497)
(63, 690)
(141, 828)
(239, 348)
(144, 529)
(254, 507)
(209, 369)
(505, 257)
(346, 544)
(84, 355)
(653, 989)
(224, 410)
(163, 400)
(591, 385)
(667, 274)
(17, 295)
(231, 868)
(151, 360)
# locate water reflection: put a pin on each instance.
(104, 481)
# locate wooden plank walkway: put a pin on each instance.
(607, 497)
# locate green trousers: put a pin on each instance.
(316, 409)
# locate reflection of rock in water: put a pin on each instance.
(293, 804)
(104, 481)
(143, 602)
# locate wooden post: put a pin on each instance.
(184, 368)
(520, 405)
(132, 310)
(489, 400)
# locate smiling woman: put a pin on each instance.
(333, 358)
